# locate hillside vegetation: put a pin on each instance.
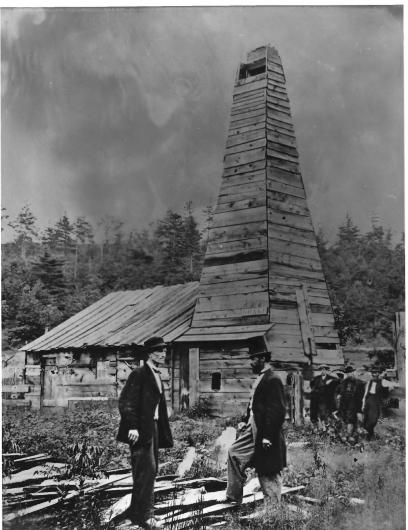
(50, 275)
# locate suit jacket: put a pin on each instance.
(137, 403)
(323, 391)
(268, 407)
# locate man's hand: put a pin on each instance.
(133, 435)
(266, 444)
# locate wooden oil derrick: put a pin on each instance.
(262, 273)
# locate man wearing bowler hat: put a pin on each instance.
(321, 397)
(351, 392)
(261, 443)
(373, 394)
(144, 425)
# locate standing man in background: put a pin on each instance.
(321, 398)
(144, 425)
(351, 392)
(261, 443)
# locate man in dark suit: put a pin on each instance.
(351, 391)
(321, 397)
(371, 405)
(144, 425)
(261, 443)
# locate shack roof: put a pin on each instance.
(124, 317)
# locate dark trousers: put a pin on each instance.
(240, 456)
(371, 413)
(144, 469)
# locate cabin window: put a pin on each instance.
(251, 69)
(216, 381)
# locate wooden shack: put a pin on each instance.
(262, 280)
(89, 356)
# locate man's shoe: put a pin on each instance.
(235, 502)
(153, 523)
(128, 525)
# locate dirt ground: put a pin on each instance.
(331, 471)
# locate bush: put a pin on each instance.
(202, 409)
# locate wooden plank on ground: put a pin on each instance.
(53, 502)
(250, 496)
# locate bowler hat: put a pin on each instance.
(349, 369)
(376, 367)
(323, 367)
(260, 351)
(154, 344)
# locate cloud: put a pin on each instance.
(126, 110)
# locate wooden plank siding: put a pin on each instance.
(262, 248)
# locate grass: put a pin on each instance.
(373, 471)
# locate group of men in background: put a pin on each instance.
(352, 400)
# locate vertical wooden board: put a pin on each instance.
(309, 345)
(298, 398)
(400, 346)
(194, 375)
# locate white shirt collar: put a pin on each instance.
(152, 366)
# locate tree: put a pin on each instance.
(169, 234)
(192, 248)
(4, 217)
(64, 230)
(49, 270)
(25, 226)
(83, 232)
(365, 277)
(112, 233)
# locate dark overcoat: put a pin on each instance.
(372, 404)
(268, 407)
(137, 403)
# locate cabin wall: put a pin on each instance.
(225, 380)
(231, 362)
(64, 378)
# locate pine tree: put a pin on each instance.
(64, 231)
(169, 234)
(49, 270)
(25, 226)
(192, 249)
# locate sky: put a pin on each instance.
(124, 112)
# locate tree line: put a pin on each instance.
(49, 275)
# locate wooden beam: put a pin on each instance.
(194, 375)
